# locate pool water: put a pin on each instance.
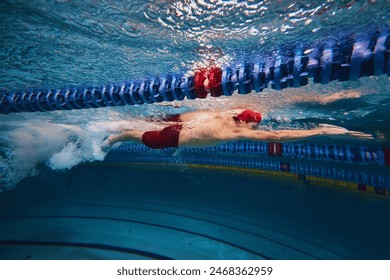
(62, 197)
(121, 212)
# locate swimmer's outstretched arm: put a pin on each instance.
(290, 135)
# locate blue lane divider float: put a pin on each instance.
(309, 151)
(257, 157)
(343, 60)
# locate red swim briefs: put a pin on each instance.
(166, 138)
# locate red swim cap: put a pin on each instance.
(249, 116)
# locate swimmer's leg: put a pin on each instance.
(130, 135)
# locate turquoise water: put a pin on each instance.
(62, 197)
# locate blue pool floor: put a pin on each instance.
(107, 212)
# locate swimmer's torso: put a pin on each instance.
(207, 128)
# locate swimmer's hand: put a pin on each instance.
(328, 129)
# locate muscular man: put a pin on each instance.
(204, 129)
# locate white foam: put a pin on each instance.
(27, 146)
(68, 157)
(59, 140)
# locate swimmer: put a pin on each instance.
(204, 129)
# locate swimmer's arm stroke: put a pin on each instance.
(290, 135)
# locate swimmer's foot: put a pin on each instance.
(105, 147)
